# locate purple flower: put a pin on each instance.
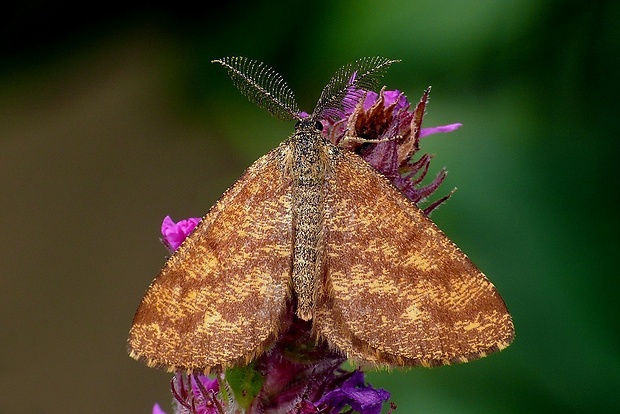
(157, 409)
(355, 393)
(196, 394)
(174, 233)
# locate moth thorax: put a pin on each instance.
(309, 158)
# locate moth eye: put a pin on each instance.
(318, 126)
(297, 124)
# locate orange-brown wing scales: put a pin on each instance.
(220, 298)
(398, 291)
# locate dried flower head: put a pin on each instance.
(384, 131)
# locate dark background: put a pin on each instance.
(112, 117)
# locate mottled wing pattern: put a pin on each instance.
(220, 298)
(397, 290)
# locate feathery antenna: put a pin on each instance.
(350, 83)
(262, 85)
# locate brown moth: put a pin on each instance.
(315, 226)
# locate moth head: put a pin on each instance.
(307, 124)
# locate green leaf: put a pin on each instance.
(245, 384)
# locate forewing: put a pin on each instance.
(397, 290)
(220, 298)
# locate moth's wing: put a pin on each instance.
(221, 297)
(397, 290)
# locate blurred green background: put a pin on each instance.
(112, 117)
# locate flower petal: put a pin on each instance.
(208, 384)
(355, 393)
(444, 128)
(157, 409)
(174, 233)
(371, 98)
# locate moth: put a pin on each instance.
(313, 226)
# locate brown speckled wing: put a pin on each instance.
(397, 290)
(220, 299)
